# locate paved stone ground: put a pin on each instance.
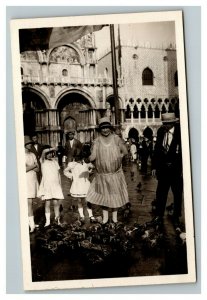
(169, 259)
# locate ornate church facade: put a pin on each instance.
(67, 87)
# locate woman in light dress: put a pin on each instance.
(108, 188)
(32, 183)
(50, 187)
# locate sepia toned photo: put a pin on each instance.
(105, 196)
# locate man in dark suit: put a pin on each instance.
(37, 148)
(145, 153)
(167, 166)
(72, 147)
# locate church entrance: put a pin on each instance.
(76, 112)
(34, 113)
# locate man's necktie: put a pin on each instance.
(167, 141)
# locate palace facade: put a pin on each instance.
(67, 87)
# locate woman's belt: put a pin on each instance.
(106, 174)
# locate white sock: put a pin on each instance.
(47, 215)
(31, 223)
(105, 216)
(80, 210)
(90, 213)
(114, 216)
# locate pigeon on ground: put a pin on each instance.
(139, 187)
(181, 235)
(153, 203)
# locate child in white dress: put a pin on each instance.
(50, 186)
(78, 171)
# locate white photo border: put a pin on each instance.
(175, 16)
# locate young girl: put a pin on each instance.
(79, 171)
(50, 186)
(32, 182)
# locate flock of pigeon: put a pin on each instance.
(97, 242)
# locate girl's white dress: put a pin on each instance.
(79, 173)
(32, 182)
(50, 186)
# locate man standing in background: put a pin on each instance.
(72, 147)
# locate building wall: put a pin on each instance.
(134, 60)
(90, 81)
(163, 94)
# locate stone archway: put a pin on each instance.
(75, 111)
(148, 133)
(34, 108)
(133, 134)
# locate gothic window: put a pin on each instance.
(163, 109)
(135, 112)
(65, 72)
(22, 72)
(176, 78)
(128, 112)
(157, 111)
(150, 112)
(177, 110)
(170, 109)
(147, 77)
(143, 112)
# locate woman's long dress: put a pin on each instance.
(108, 187)
(32, 182)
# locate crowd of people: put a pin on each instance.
(104, 158)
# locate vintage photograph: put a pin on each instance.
(103, 156)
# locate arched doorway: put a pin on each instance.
(148, 133)
(133, 134)
(76, 112)
(33, 112)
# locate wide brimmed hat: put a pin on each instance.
(48, 150)
(104, 122)
(27, 140)
(169, 118)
